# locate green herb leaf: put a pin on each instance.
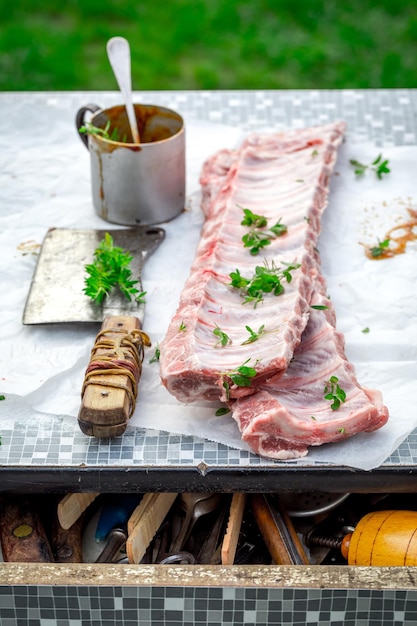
(2, 397)
(223, 338)
(110, 269)
(319, 307)
(379, 166)
(366, 330)
(380, 248)
(268, 278)
(241, 377)
(156, 355)
(279, 229)
(222, 411)
(334, 393)
(182, 327)
(106, 133)
(251, 219)
(258, 236)
(254, 336)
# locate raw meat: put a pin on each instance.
(284, 418)
(285, 177)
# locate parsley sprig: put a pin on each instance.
(334, 393)
(379, 166)
(258, 236)
(268, 278)
(110, 269)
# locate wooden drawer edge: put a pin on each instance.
(318, 577)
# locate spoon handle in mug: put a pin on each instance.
(112, 376)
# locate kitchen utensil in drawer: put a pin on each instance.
(304, 504)
(195, 505)
(277, 530)
(22, 533)
(380, 538)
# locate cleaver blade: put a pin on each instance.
(57, 295)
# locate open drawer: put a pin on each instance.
(256, 592)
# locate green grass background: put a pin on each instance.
(210, 44)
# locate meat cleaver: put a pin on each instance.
(57, 295)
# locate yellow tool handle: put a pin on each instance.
(383, 538)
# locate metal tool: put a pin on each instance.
(210, 551)
(57, 295)
(118, 51)
(195, 505)
(305, 504)
(116, 539)
(182, 558)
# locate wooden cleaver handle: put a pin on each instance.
(22, 534)
(111, 379)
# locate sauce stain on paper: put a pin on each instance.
(398, 236)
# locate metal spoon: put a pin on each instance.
(118, 51)
(195, 505)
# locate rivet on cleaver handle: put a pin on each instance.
(112, 376)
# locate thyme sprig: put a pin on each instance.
(380, 248)
(105, 133)
(268, 278)
(223, 338)
(252, 219)
(223, 410)
(258, 236)
(253, 335)
(110, 269)
(156, 356)
(379, 166)
(241, 377)
(334, 393)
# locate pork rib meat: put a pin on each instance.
(282, 419)
(282, 176)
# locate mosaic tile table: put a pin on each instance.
(35, 459)
(57, 453)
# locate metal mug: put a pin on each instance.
(136, 183)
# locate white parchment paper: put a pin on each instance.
(45, 365)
